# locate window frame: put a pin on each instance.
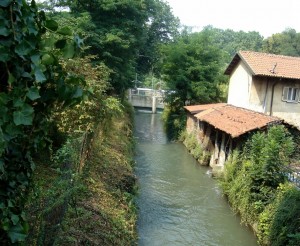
(289, 92)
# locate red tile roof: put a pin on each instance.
(194, 109)
(264, 64)
(235, 121)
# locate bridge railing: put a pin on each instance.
(148, 92)
(147, 98)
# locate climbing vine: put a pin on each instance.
(32, 83)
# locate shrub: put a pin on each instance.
(279, 223)
(256, 186)
(268, 154)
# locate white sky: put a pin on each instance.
(264, 16)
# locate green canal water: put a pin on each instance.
(179, 202)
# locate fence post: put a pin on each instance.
(154, 104)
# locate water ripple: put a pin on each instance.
(179, 203)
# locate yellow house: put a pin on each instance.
(266, 83)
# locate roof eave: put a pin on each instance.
(237, 135)
(232, 64)
(238, 57)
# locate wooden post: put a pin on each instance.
(222, 155)
(206, 136)
(215, 153)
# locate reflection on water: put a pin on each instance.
(179, 203)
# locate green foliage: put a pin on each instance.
(32, 83)
(232, 168)
(195, 148)
(191, 66)
(161, 28)
(285, 227)
(232, 42)
(116, 36)
(95, 207)
(257, 188)
(269, 154)
(191, 142)
(285, 43)
(174, 119)
(296, 155)
(124, 34)
(55, 187)
(280, 221)
(85, 116)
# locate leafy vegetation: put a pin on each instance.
(33, 83)
(91, 207)
(192, 69)
(54, 103)
(53, 100)
(232, 42)
(195, 148)
(124, 35)
(285, 43)
(256, 185)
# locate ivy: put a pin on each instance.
(32, 84)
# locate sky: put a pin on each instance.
(264, 16)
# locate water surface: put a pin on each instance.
(179, 203)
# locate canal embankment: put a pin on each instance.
(94, 206)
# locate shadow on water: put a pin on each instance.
(179, 203)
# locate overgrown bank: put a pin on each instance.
(255, 181)
(91, 207)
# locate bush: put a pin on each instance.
(195, 148)
(268, 154)
(279, 223)
(174, 121)
(256, 186)
(285, 227)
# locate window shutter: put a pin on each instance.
(285, 93)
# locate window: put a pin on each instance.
(290, 94)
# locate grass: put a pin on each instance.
(92, 208)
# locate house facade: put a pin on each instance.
(266, 83)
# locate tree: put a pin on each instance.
(116, 36)
(285, 43)
(125, 34)
(160, 28)
(192, 66)
(232, 42)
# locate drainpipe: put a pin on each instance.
(272, 98)
(265, 98)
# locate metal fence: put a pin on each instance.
(293, 176)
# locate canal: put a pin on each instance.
(179, 203)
